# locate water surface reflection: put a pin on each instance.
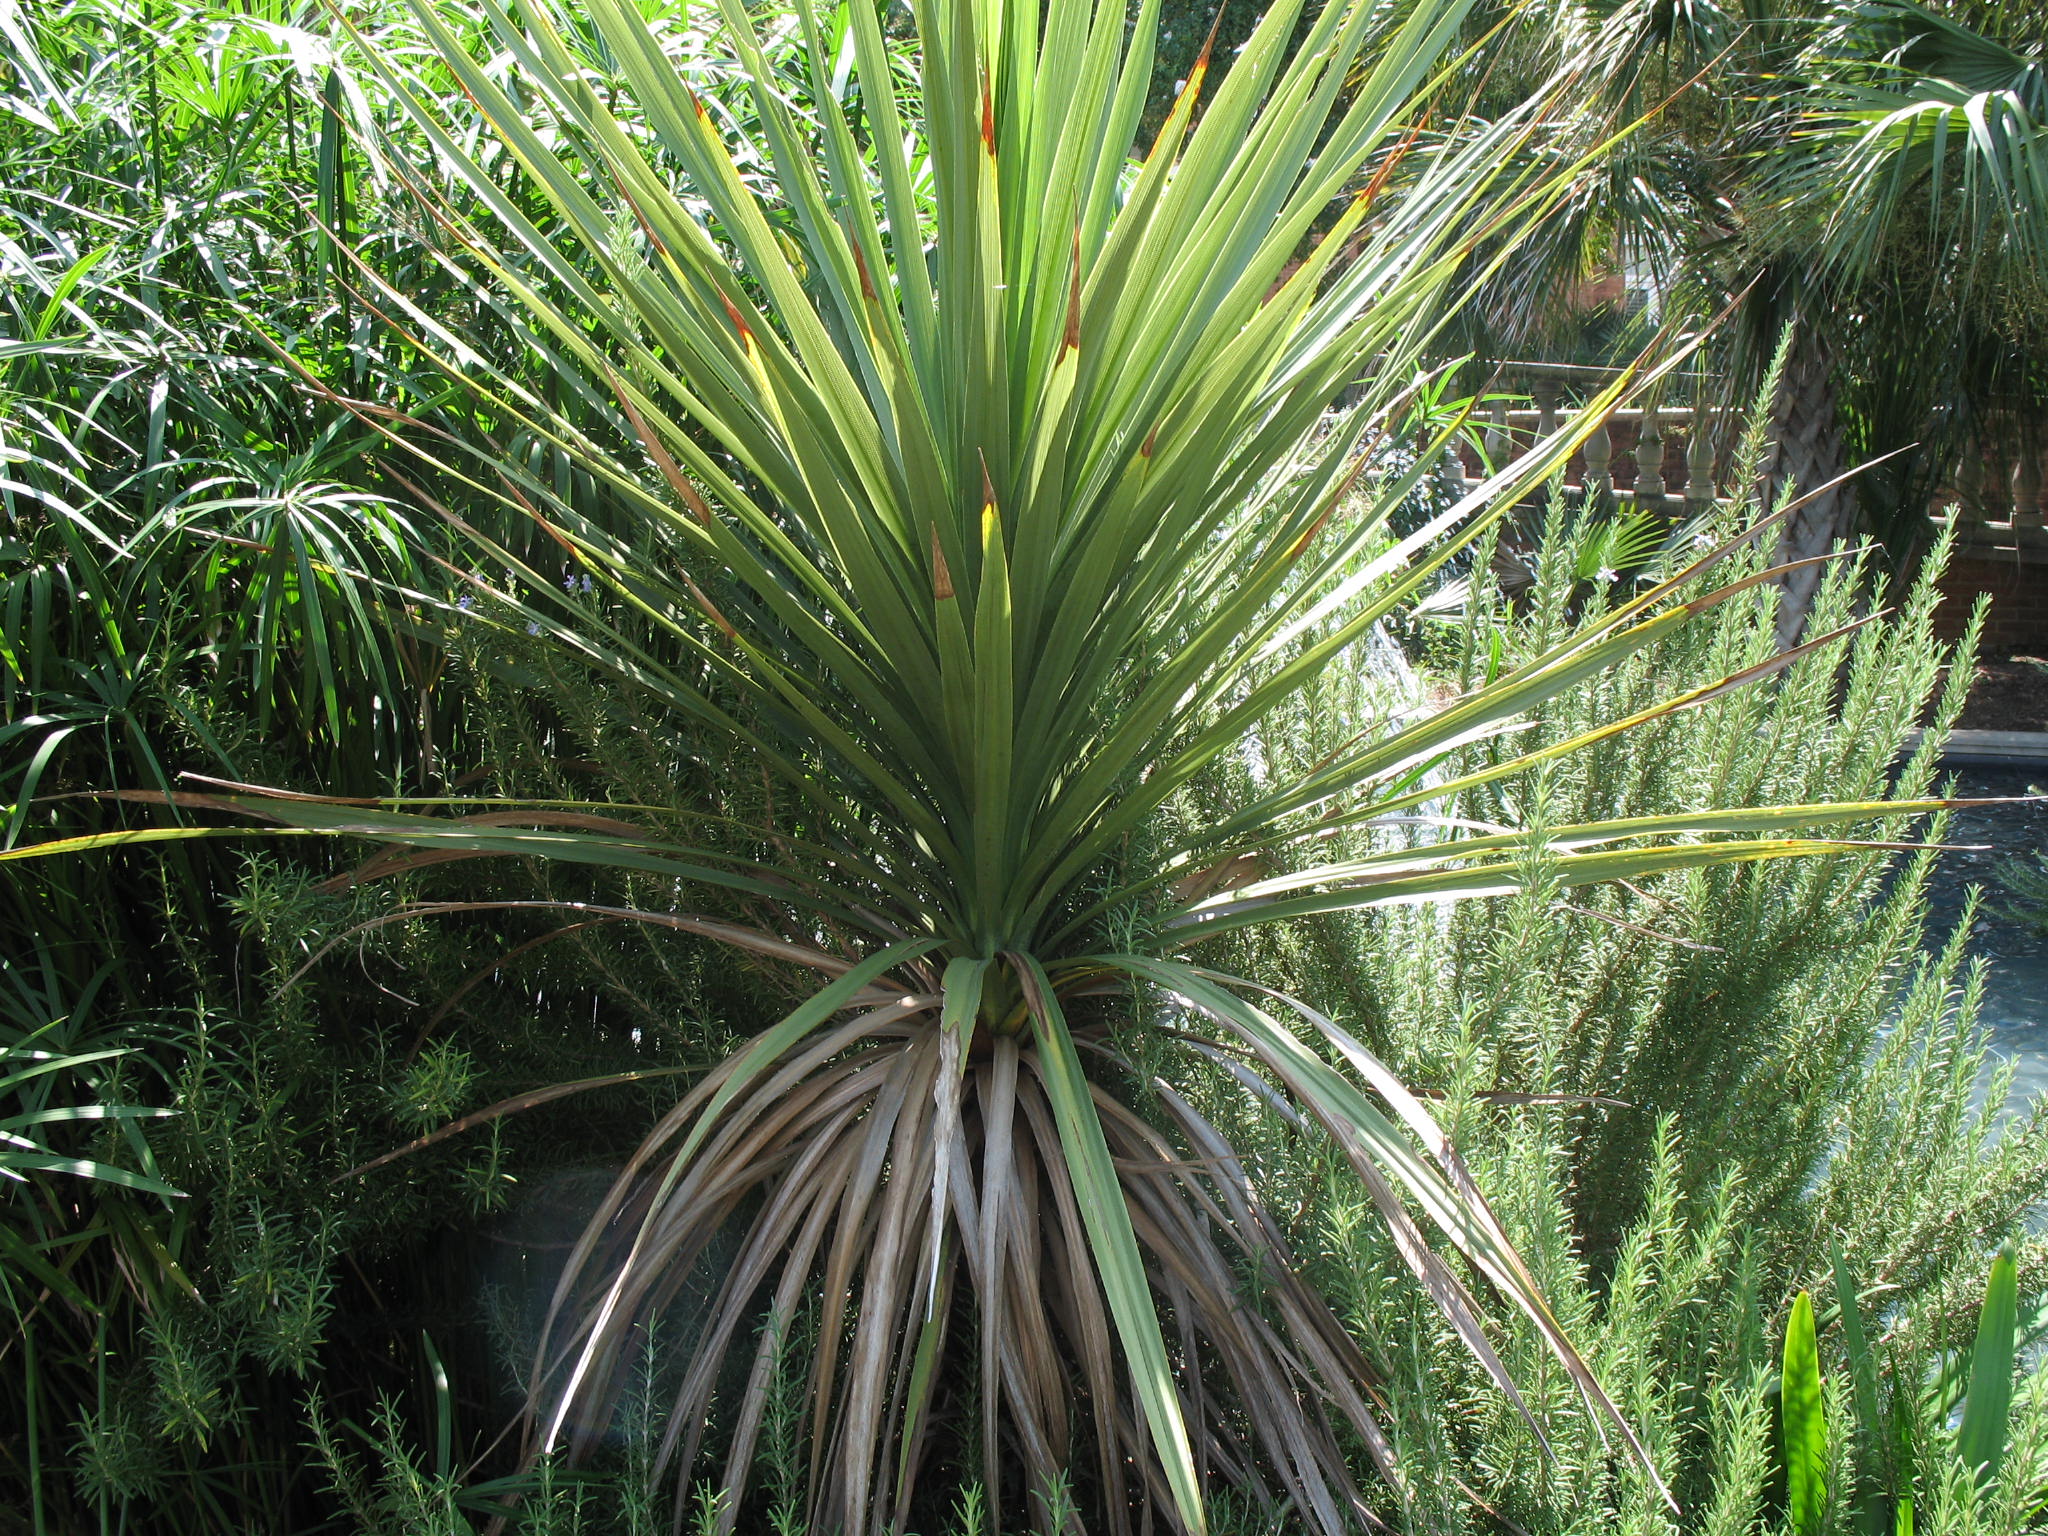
(2016, 954)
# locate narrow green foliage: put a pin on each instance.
(1685, 1100)
(1987, 1409)
(1802, 1423)
(980, 599)
(1868, 1444)
(912, 509)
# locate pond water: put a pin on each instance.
(2016, 954)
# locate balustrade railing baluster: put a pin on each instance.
(1599, 452)
(1699, 460)
(2026, 490)
(1506, 435)
(1496, 438)
(1974, 488)
(1650, 464)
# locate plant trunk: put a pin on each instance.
(1806, 452)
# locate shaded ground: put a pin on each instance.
(2010, 694)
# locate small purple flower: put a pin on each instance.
(569, 583)
(532, 628)
(463, 602)
(588, 586)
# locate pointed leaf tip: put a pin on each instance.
(942, 577)
(1071, 342)
(1193, 89)
(739, 323)
(1982, 1436)
(867, 282)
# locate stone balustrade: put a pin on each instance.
(1666, 458)
(1655, 458)
(1675, 459)
(1672, 456)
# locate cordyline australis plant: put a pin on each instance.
(981, 501)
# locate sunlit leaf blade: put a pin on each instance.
(1982, 1435)
(1803, 1424)
(1500, 878)
(1120, 1266)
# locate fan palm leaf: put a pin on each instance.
(1914, 109)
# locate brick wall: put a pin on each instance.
(2015, 575)
(2007, 559)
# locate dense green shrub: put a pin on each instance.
(1748, 1066)
(194, 534)
(1687, 1097)
(1788, 1011)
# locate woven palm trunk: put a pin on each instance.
(1806, 451)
